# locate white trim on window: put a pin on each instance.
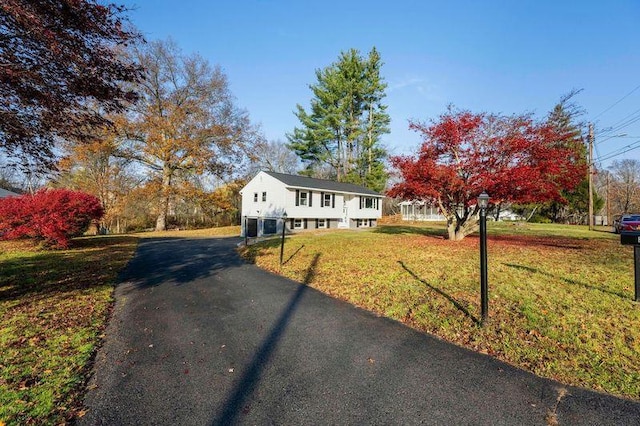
(362, 223)
(297, 224)
(322, 223)
(264, 196)
(255, 197)
(326, 202)
(304, 198)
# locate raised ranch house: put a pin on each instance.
(308, 203)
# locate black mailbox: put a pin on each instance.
(630, 238)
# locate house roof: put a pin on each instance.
(313, 183)
(6, 193)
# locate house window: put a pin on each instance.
(368, 203)
(264, 196)
(297, 223)
(304, 198)
(362, 223)
(322, 223)
(326, 200)
(255, 197)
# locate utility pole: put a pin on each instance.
(608, 205)
(590, 176)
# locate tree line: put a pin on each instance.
(156, 134)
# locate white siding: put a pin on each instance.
(316, 210)
(281, 198)
(276, 192)
(355, 212)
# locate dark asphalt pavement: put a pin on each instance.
(198, 337)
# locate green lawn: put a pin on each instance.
(560, 296)
(53, 309)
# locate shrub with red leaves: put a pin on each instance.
(51, 215)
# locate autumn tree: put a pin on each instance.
(60, 70)
(274, 156)
(347, 118)
(624, 189)
(97, 168)
(513, 158)
(185, 124)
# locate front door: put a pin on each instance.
(344, 220)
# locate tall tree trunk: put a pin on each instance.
(161, 221)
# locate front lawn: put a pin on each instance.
(560, 296)
(53, 307)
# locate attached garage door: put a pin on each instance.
(269, 226)
(252, 228)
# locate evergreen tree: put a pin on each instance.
(347, 118)
(565, 118)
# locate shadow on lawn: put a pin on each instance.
(450, 298)
(293, 255)
(252, 252)
(247, 384)
(567, 280)
(405, 229)
(46, 272)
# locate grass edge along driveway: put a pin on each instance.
(54, 305)
(560, 296)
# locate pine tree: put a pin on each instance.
(565, 119)
(342, 131)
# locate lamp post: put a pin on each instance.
(284, 227)
(483, 203)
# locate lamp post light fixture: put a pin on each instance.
(284, 227)
(483, 204)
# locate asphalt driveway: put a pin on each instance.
(198, 337)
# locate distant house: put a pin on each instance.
(5, 193)
(309, 204)
(418, 210)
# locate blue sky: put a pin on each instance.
(495, 56)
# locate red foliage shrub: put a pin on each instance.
(51, 215)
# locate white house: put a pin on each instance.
(6, 193)
(418, 210)
(308, 203)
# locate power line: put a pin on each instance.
(618, 122)
(621, 126)
(620, 151)
(617, 102)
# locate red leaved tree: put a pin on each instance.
(52, 216)
(513, 158)
(61, 68)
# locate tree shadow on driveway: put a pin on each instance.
(188, 260)
(251, 376)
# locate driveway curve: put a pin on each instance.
(199, 337)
